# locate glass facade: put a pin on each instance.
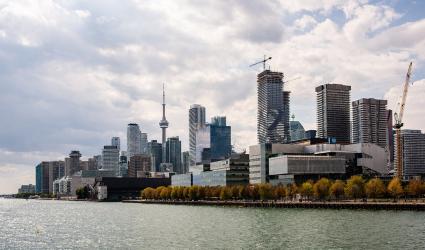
(155, 151)
(174, 152)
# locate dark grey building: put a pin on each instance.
(196, 120)
(333, 112)
(273, 108)
(72, 164)
(155, 151)
(370, 121)
(174, 152)
(185, 162)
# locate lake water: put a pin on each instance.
(37, 224)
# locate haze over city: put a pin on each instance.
(74, 74)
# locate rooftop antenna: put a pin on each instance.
(263, 62)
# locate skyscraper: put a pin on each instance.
(174, 152)
(138, 163)
(297, 131)
(72, 164)
(333, 112)
(111, 158)
(144, 143)
(115, 141)
(370, 121)
(42, 177)
(133, 140)
(163, 124)
(413, 151)
(273, 108)
(196, 120)
(155, 152)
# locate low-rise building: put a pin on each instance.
(27, 189)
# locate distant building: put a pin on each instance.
(45, 173)
(27, 189)
(390, 137)
(310, 134)
(370, 121)
(123, 165)
(139, 163)
(115, 141)
(196, 120)
(134, 145)
(333, 112)
(98, 161)
(213, 141)
(185, 162)
(413, 151)
(110, 158)
(273, 108)
(174, 152)
(297, 131)
(56, 171)
(155, 151)
(72, 164)
(144, 143)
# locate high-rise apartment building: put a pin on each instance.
(413, 151)
(111, 158)
(56, 171)
(333, 112)
(174, 152)
(72, 163)
(138, 163)
(46, 173)
(296, 130)
(370, 121)
(196, 120)
(133, 139)
(144, 143)
(115, 141)
(273, 108)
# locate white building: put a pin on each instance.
(134, 137)
(110, 158)
(115, 141)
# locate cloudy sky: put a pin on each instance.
(75, 73)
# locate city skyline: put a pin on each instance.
(113, 89)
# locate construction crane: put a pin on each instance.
(262, 61)
(398, 117)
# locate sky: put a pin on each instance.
(73, 74)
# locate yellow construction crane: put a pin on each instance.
(398, 117)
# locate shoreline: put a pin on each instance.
(374, 205)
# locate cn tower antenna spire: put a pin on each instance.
(163, 124)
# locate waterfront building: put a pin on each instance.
(42, 177)
(370, 121)
(413, 151)
(134, 145)
(185, 162)
(72, 163)
(259, 159)
(390, 137)
(286, 169)
(174, 152)
(56, 171)
(182, 180)
(297, 131)
(273, 108)
(98, 161)
(139, 163)
(196, 120)
(115, 141)
(111, 158)
(91, 164)
(155, 151)
(333, 112)
(26, 189)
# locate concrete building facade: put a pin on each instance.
(196, 120)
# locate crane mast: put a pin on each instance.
(398, 117)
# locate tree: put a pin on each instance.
(254, 192)
(193, 193)
(355, 187)
(416, 188)
(394, 188)
(291, 190)
(185, 193)
(173, 194)
(147, 193)
(337, 189)
(280, 192)
(307, 189)
(225, 193)
(321, 188)
(265, 191)
(374, 188)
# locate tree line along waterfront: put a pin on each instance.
(324, 190)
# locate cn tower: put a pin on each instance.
(163, 124)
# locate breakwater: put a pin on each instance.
(412, 206)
